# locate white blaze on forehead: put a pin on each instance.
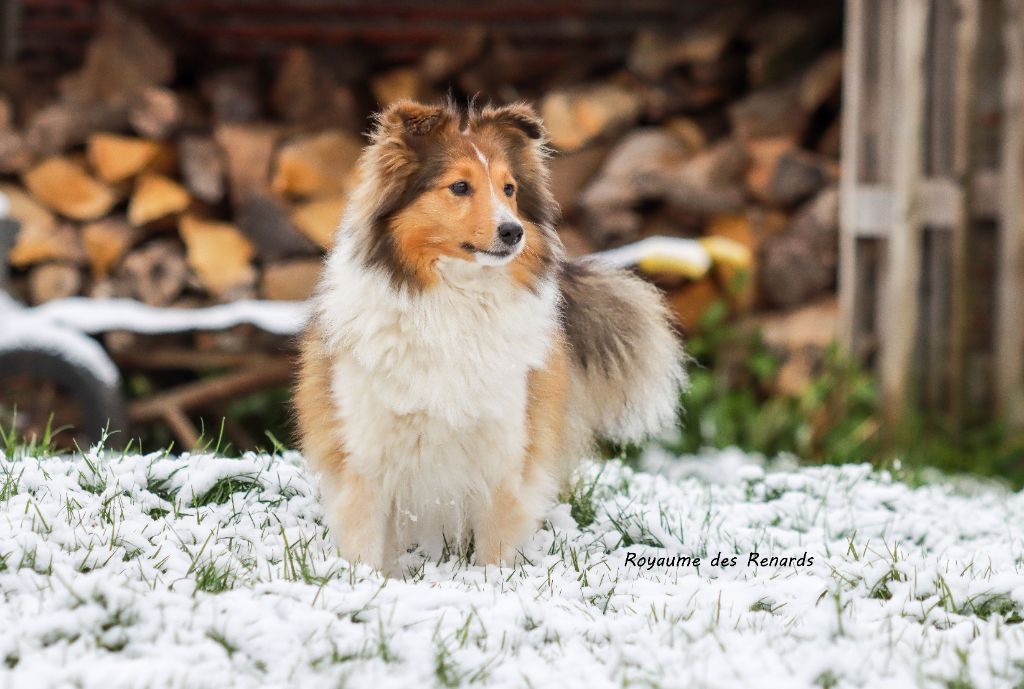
(502, 213)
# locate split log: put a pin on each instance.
(248, 150)
(447, 61)
(156, 113)
(291, 281)
(116, 158)
(58, 127)
(268, 224)
(157, 273)
(156, 197)
(234, 96)
(820, 84)
(53, 281)
(655, 52)
(123, 58)
(37, 238)
(571, 172)
(801, 262)
(319, 219)
(707, 183)
(202, 168)
(68, 189)
(773, 112)
(690, 302)
(737, 275)
(316, 165)
(105, 243)
(608, 203)
(783, 175)
(219, 254)
(402, 83)
(15, 154)
(577, 116)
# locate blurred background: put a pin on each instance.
(173, 173)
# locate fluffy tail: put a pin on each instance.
(627, 359)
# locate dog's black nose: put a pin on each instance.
(510, 232)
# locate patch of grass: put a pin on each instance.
(15, 445)
(212, 578)
(581, 500)
(223, 489)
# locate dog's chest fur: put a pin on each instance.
(432, 387)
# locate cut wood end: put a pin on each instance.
(218, 252)
(67, 188)
(117, 158)
(319, 219)
(156, 197)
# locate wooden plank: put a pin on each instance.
(899, 317)
(10, 14)
(964, 66)
(1009, 325)
(853, 85)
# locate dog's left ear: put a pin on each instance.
(519, 118)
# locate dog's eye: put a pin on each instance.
(510, 189)
(459, 188)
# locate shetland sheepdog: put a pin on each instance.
(457, 365)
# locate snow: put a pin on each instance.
(200, 571)
(96, 316)
(20, 331)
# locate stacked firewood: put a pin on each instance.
(142, 175)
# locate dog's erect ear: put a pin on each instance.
(411, 121)
(517, 117)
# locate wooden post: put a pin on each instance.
(899, 316)
(10, 13)
(853, 88)
(1009, 325)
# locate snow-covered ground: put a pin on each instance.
(208, 572)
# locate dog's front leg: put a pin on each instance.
(501, 525)
(359, 520)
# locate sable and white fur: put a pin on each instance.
(448, 386)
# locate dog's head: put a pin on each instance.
(472, 185)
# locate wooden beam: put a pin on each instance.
(1009, 322)
(964, 74)
(853, 87)
(899, 316)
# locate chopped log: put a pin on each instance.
(123, 57)
(202, 168)
(772, 112)
(801, 338)
(234, 96)
(16, 155)
(820, 84)
(268, 224)
(56, 128)
(571, 172)
(116, 158)
(402, 83)
(248, 150)
(783, 175)
(301, 89)
(609, 202)
(106, 242)
(219, 254)
(291, 281)
(801, 262)
(319, 219)
(6, 112)
(705, 184)
(577, 116)
(689, 132)
(68, 189)
(156, 197)
(690, 302)
(156, 112)
(53, 281)
(157, 273)
(445, 62)
(316, 165)
(656, 52)
(37, 238)
(784, 42)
